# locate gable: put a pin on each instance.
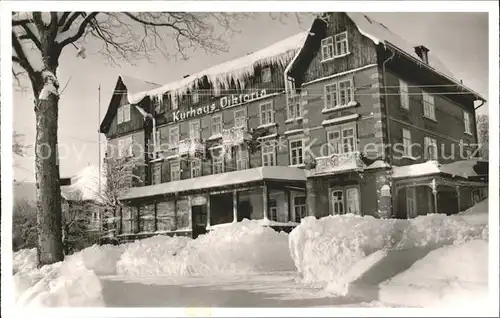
(109, 125)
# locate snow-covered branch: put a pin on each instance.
(31, 34)
(75, 32)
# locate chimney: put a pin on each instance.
(422, 53)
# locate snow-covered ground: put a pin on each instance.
(337, 261)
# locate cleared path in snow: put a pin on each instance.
(264, 290)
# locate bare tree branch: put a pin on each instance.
(21, 57)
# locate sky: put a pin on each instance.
(459, 40)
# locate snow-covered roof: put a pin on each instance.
(218, 180)
(379, 33)
(136, 87)
(415, 170)
(84, 185)
(281, 52)
(462, 168)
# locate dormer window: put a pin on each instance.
(266, 75)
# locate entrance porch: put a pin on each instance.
(435, 194)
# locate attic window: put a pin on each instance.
(123, 114)
(341, 44)
(327, 49)
(335, 46)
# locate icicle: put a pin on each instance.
(160, 100)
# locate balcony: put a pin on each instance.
(235, 136)
(338, 163)
(191, 147)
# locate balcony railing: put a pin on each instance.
(191, 147)
(235, 136)
(339, 163)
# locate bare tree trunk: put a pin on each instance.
(49, 214)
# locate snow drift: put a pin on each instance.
(243, 247)
(63, 284)
(451, 276)
(336, 251)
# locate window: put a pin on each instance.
(268, 152)
(128, 219)
(338, 202)
(123, 114)
(352, 201)
(333, 138)
(95, 216)
(403, 95)
(411, 203)
(216, 127)
(338, 94)
(266, 113)
(406, 143)
(294, 108)
(195, 97)
(173, 136)
(240, 118)
(125, 146)
(194, 129)
(217, 160)
(296, 152)
(272, 208)
(467, 123)
(342, 139)
(299, 207)
(195, 168)
(157, 174)
(341, 44)
(266, 75)
(429, 108)
(327, 49)
(345, 92)
(430, 148)
(331, 97)
(158, 139)
(241, 158)
(175, 170)
(349, 139)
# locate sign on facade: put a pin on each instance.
(224, 102)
